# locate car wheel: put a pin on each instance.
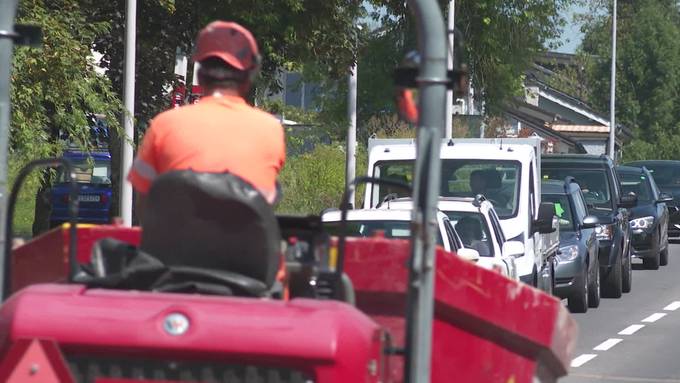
(594, 288)
(612, 283)
(663, 256)
(627, 278)
(578, 302)
(653, 262)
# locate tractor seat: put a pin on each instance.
(211, 221)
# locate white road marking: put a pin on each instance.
(654, 317)
(607, 344)
(632, 329)
(673, 306)
(582, 359)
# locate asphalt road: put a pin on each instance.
(635, 338)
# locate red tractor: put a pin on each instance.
(195, 297)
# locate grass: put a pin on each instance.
(25, 207)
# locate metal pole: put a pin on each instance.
(7, 12)
(448, 127)
(612, 93)
(129, 96)
(351, 161)
(432, 98)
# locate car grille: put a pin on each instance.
(89, 369)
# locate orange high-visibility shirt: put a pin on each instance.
(221, 133)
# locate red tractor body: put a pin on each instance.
(487, 328)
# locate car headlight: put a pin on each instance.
(642, 223)
(568, 253)
(604, 232)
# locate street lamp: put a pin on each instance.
(125, 197)
(351, 161)
(612, 93)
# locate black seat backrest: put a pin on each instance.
(214, 221)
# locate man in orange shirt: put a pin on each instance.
(221, 133)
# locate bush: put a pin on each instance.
(315, 181)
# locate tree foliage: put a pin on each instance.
(648, 76)
(55, 88)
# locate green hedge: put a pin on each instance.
(315, 181)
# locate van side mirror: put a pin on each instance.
(513, 249)
(468, 254)
(628, 201)
(544, 223)
(590, 222)
(664, 197)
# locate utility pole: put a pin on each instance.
(612, 93)
(128, 118)
(351, 160)
(448, 130)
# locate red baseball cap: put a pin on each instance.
(228, 41)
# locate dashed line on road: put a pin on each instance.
(611, 378)
(607, 344)
(654, 317)
(582, 359)
(673, 306)
(632, 329)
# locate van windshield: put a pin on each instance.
(497, 180)
(96, 172)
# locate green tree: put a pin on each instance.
(648, 77)
(55, 88)
(289, 34)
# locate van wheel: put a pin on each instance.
(612, 283)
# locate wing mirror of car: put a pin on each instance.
(590, 222)
(513, 249)
(544, 223)
(468, 254)
(629, 200)
(664, 197)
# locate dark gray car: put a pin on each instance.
(666, 175)
(649, 219)
(577, 273)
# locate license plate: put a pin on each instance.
(88, 198)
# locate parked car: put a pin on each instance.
(602, 192)
(577, 273)
(93, 175)
(649, 219)
(478, 226)
(394, 223)
(666, 175)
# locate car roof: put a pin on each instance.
(445, 203)
(654, 162)
(399, 214)
(629, 169)
(576, 158)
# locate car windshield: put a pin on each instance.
(593, 183)
(665, 175)
(562, 210)
(368, 228)
(638, 183)
(497, 180)
(97, 172)
(473, 231)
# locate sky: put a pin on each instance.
(571, 36)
